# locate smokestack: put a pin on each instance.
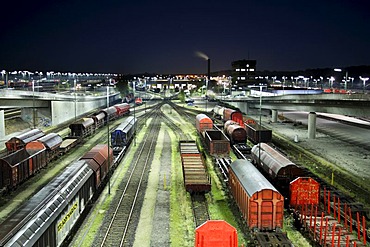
(209, 69)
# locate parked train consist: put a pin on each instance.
(255, 132)
(34, 150)
(196, 178)
(261, 205)
(48, 217)
(215, 140)
(87, 126)
(123, 134)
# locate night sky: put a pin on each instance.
(164, 36)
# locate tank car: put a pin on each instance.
(235, 132)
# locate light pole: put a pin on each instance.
(364, 79)
(345, 82)
(33, 104)
(108, 136)
(75, 100)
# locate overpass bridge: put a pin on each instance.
(355, 105)
(57, 108)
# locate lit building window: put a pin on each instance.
(251, 69)
(242, 78)
(247, 65)
(242, 69)
(237, 69)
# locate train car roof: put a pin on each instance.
(110, 110)
(51, 140)
(122, 105)
(85, 122)
(99, 153)
(203, 117)
(272, 158)
(19, 156)
(125, 123)
(26, 224)
(250, 178)
(28, 136)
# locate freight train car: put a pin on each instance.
(203, 122)
(235, 115)
(122, 109)
(196, 179)
(235, 132)
(19, 166)
(83, 127)
(50, 143)
(18, 142)
(278, 167)
(49, 216)
(257, 133)
(217, 143)
(261, 205)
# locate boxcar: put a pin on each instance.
(50, 143)
(196, 179)
(257, 133)
(18, 142)
(19, 166)
(261, 205)
(48, 217)
(276, 165)
(203, 122)
(235, 132)
(217, 143)
(83, 127)
(97, 159)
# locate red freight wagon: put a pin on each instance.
(18, 142)
(122, 109)
(203, 122)
(216, 233)
(97, 158)
(304, 191)
(230, 114)
(261, 205)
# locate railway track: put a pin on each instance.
(200, 208)
(125, 209)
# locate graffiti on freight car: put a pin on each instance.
(67, 217)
